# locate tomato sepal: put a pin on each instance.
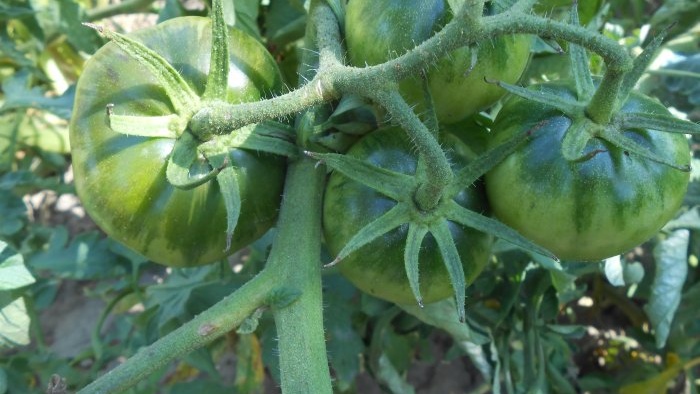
(485, 224)
(395, 217)
(668, 123)
(453, 263)
(390, 183)
(181, 159)
(183, 98)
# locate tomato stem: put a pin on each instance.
(220, 319)
(604, 101)
(295, 257)
(438, 174)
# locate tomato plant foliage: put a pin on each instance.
(485, 208)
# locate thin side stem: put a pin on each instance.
(438, 174)
(216, 321)
(330, 82)
(603, 102)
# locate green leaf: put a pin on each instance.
(14, 321)
(247, 16)
(87, 256)
(443, 315)
(13, 213)
(285, 22)
(657, 384)
(388, 374)
(345, 345)
(671, 256)
(165, 126)
(13, 273)
(614, 271)
(19, 95)
(172, 296)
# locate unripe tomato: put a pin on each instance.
(378, 268)
(121, 179)
(590, 209)
(379, 30)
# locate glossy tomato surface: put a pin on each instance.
(378, 268)
(379, 30)
(592, 209)
(121, 179)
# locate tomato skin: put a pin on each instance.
(121, 179)
(378, 30)
(587, 210)
(378, 268)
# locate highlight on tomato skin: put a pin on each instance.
(121, 179)
(591, 209)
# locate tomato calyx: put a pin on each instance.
(595, 111)
(401, 188)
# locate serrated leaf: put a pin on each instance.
(14, 321)
(87, 256)
(172, 296)
(18, 95)
(13, 273)
(671, 256)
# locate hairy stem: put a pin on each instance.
(216, 321)
(296, 257)
(296, 252)
(438, 172)
(333, 79)
(604, 101)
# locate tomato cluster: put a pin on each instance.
(587, 209)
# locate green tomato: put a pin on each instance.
(378, 268)
(379, 30)
(121, 179)
(587, 210)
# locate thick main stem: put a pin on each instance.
(216, 321)
(296, 257)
